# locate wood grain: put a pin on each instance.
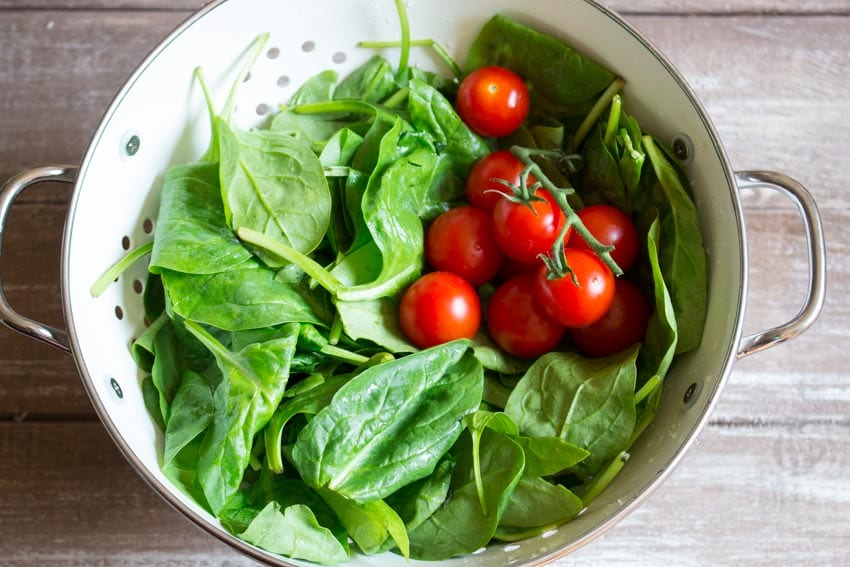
(772, 495)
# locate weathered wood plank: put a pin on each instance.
(748, 495)
(769, 116)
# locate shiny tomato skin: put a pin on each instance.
(524, 232)
(623, 325)
(439, 307)
(516, 322)
(612, 227)
(461, 241)
(576, 305)
(481, 190)
(493, 101)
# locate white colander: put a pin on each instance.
(159, 119)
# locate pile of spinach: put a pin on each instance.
(292, 407)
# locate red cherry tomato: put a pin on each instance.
(439, 307)
(524, 232)
(612, 227)
(493, 101)
(517, 323)
(461, 241)
(481, 190)
(576, 305)
(623, 325)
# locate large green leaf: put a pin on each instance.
(252, 386)
(586, 401)
(391, 424)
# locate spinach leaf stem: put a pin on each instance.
(405, 37)
(605, 478)
(118, 268)
(289, 254)
(594, 114)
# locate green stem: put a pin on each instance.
(349, 106)
(647, 388)
(291, 255)
(405, 37)
(118, 268)
(602, 481)
(336, 329)
(441, 51)
(254, 51)
(558, 266)
(594, 114)
(613, 121)
(344, 355)
(397, 98)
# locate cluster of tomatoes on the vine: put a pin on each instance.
(506, 236)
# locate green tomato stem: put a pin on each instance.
(557, 262)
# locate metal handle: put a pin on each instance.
(817, 260)
(11, 189)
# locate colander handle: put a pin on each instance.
(11, 189)
(817, 259)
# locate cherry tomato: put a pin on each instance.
(480, 187)
(524, 232)
(461, 241)
(517, 323)
(576, 305)
(493, 101)
(623, 325)
(612, 227)
(439, 307)
(511, 268)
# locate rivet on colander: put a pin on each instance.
(683, 149)
(132, 145)
(692, 393)
(116, 387)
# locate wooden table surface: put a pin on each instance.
(769, 481)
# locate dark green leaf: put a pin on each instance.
(391, 424)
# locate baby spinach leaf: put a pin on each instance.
(372, 82)
(375, 320)
(191, 234)
(310, 402)
(601, 179)
(460, 526)
(150, 397)
(682, 256)
(659, 345)
(369, 524)
(266, 177)
(294, 532)
(557, 71)
(536, 502)
(548, 456)
(391, 424)
(586, 401)
(251, 388)
(191, 413)
(417, 501)
(246, 298)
